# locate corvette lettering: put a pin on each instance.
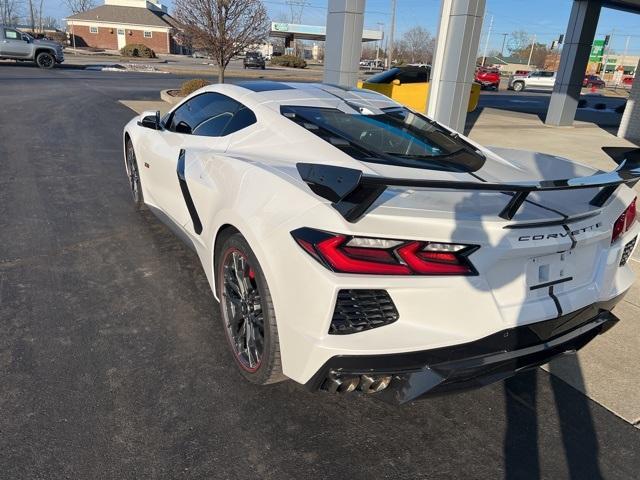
(526, 238)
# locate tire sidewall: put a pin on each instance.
(45, 54)
(518, 86)
(236, 242)
(133, 163)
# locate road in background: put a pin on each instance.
(113, 362)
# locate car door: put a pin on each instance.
(202, 122)
(13, 45)
(547, 80)
(534, 80)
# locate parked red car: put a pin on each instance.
(488, 78)
(590, 81)
(627, 81)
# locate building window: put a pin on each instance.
(121, 31)
(93, 29)
(147, 34)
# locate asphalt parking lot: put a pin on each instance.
(113, 362)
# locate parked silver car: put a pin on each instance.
(17, 45)
(536, 80)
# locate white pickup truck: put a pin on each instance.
(20, 46)
(536, 80)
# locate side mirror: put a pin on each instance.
(26, 39)
(395, 81)
(151, 121)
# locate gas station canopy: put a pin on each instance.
(313, 32)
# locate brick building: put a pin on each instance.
(121, 22)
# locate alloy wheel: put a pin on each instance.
(242, 310)
(134, 177)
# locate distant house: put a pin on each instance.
(120, 22)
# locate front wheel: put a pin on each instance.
(45, 60)
(247, 311)
(518, 86)
(134, 175)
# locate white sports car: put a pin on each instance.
(354, 244)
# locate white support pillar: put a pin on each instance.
(454, 61)
(343, 47)
(575, 55)
(630, 123)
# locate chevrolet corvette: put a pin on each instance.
(356, 245)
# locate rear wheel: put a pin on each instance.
(45, 60)
(518, 86)
(247, 311)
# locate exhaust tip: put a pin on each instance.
(340, 384)
(374, 383)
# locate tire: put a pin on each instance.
(134, 176)
(245, 300)
(45, 60)
(518, 86)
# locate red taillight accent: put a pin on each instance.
(338, 259)
(431, 263)
(345, 254)
(624, 221)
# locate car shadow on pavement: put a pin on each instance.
(521, 443)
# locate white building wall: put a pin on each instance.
(630, 123)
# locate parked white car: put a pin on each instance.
(536, 80)
(355, 244)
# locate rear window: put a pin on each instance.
(397, 136)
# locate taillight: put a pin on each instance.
(379, 256)
(624, 221)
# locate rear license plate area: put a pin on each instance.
(550, 270)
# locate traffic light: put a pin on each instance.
(606, 39)
(560, 39)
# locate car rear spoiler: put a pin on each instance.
(352, 192)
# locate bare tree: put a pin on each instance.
(418, 45)
(223, 28)
(10, 12)
(518, 42)
(50, 23)
(78, 6)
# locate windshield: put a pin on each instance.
(398, 136)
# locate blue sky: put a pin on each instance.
(544, 18)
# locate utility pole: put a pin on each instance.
(392, 31)
(626, 49)
(504, 40)
(486, 43)
(380, 24)
(533, 43)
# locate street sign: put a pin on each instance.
(596, 51)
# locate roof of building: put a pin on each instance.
(127, 15)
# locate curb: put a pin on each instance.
(170, 99)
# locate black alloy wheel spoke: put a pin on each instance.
(243, 310)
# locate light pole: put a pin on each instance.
(392, 30)
(380, 24)
(486, 43)
(531, 52)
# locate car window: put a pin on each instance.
(242, 118)
(414, 75)
(396, 136)
(534, 74)
(547, 74)
(209, 115)
(384, 77)
(12, 34)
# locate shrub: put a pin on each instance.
(582, 103)
(191, 86)
(288, 61)
(137, 50)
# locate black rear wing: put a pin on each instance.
(352, 192)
